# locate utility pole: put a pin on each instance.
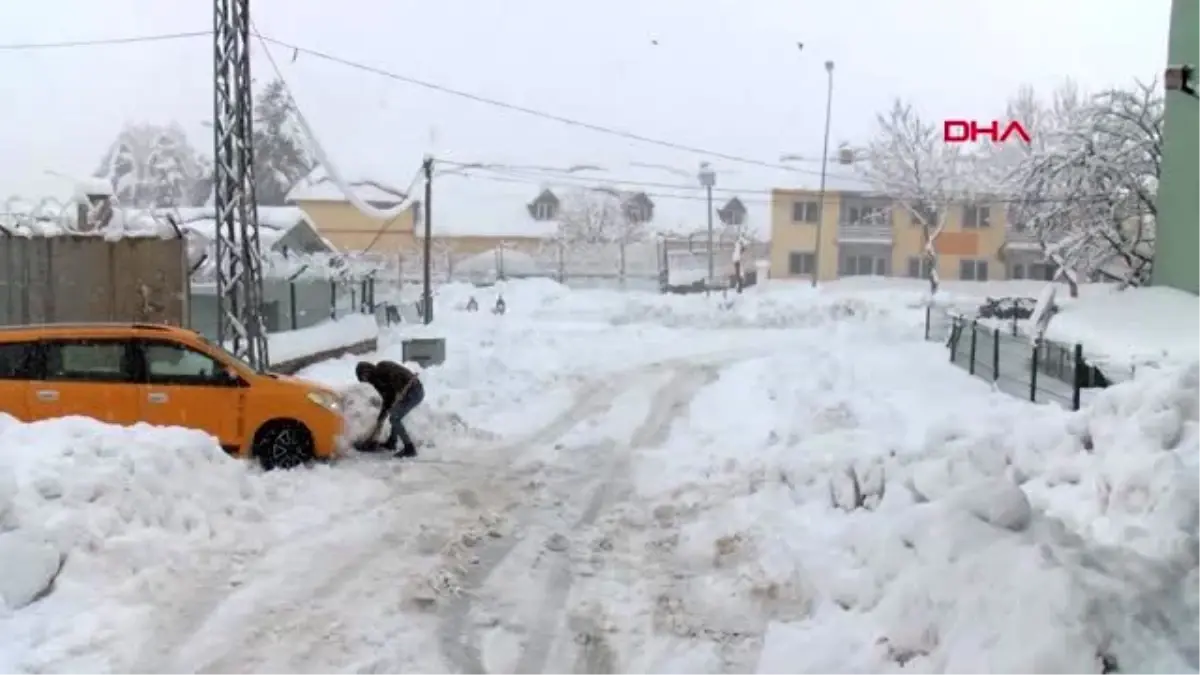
(239, 263)
(824, 166)
(708, 178)
(427, 272)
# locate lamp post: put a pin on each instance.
(708, 178)
(824, 167)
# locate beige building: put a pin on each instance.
(350, 229)
(869, 234)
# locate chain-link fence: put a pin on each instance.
(645, 265)
(1039, 371)
(291, 304)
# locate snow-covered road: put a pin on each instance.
(787, 483)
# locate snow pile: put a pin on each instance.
(120, 508)
(77, 485)
(1135, 328)
(983, 535)
(770, 306)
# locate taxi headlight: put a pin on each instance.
(326, 400)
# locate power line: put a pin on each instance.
(101, 42)
(560, 178)
(599, 128)
(390, 221)
(606, 129)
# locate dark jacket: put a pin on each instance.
(392, 381)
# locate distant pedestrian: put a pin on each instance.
(401, 391)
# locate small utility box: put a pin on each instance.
(425, 351)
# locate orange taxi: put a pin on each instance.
(167, 376)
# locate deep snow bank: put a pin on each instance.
(127, 511)
(890, 523)
(75, 485)
(766, 306)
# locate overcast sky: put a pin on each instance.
(725, 75)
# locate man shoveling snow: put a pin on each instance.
(401, 391)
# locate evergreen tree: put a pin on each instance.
(281, 158)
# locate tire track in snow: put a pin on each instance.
(460, 640)
(218, 586)
(670, 403)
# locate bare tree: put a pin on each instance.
(601, 218)
(1088, 190)
(909, 161)
(589, 217)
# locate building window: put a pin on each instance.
(801, 263)
(866, 215)
(973, 270)
(543, 210)
(975, 217)
(1016, 272)
(862, 265)
(805, 212)
(919, 267)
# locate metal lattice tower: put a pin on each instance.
(239, 262)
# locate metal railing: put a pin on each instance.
(1041, 371)
(865, 232)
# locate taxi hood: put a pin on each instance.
(302, 383)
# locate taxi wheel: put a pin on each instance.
(283, 444)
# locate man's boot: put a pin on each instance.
(409, 450)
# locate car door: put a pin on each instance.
(185, 387)
(16, 369)
(91, 377)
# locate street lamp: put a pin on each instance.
(708, 178)
(824, 167)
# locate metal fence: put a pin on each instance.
(290, 305)
(1043, 371)
(644, 265)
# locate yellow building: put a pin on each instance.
(869, 234)
(350, 229)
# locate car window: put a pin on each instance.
(91, 360)
(15, 361)
(170, 363)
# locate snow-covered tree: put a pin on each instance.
(151, 165)
(281, 157)
(603, 218)
(589, 216)
(1087, 187)
(909, 161)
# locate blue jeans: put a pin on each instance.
(404, 405)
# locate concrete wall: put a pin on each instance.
(85, 278)
(1176, 260)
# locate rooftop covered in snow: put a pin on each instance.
(319, 186)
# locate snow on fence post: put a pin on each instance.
(974, 336)
(1033, 373)
(1077, 387)
(995, 354)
